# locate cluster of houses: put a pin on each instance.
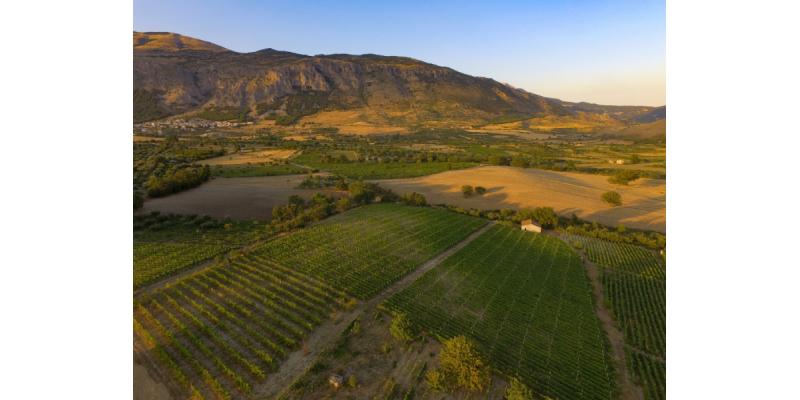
(192, 124)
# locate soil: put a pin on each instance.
(643, 201)
(327, 334)
(235, 198)
(145, 387)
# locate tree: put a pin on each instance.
(480, 190)
(517, 390)
(467, 190)
(622, 177)
(520, 162)
(415, 199)
(499, 160)
(635, 159)
(361, 193)
(612, 198)
(546, 217)
(138, 200)
(462, 366)
(402, 329)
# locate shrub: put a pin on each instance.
(467, 190)
(401, 328)
(623, 177)
(517, 390)
(415, 199)
(520, 162)
(436, 380)
(612, 198)
(138, 200)
(461, 367)
(352, 381)
(480, 190)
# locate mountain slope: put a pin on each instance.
(176, 74)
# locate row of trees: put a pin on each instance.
(298, 212)
(176, 180)
(545, 216)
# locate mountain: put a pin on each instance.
(176, 74)
(171, 42)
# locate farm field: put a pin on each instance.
(237, 198)
(258, 156)
(643, 201)
(167, 244)
(218, 333)
(526, 300)
(634, 282)
(364, 250)
(152, 261)
(251, 170)
(387, 170)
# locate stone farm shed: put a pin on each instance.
(530, 226)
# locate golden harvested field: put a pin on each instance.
(142, 138)
(237, 198)
(644, 201)
(251, 157)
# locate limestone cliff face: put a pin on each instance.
(182, 74)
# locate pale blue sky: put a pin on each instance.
(608, 52)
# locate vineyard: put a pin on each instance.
(365, 250)
(526, 300)
(153, 261)
(218, 333)
(634, 282)
(165, 244)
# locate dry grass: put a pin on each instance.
(251, 157)
(140, 138)
(644, 201)
(582, 122)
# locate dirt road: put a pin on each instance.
(326, 334)
(629, 389)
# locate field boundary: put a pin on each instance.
(326, 334)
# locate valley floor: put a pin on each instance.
(643, 201)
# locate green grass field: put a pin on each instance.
(251, 170)
(526, 300)
(388, 170)
(366, 249)
(634, 282)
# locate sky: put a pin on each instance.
(602, 51)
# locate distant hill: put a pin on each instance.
(171, 42)
(176, 74)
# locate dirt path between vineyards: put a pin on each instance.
(326, 334)
(629, 389)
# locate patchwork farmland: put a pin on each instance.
(219, 332)
(526, 300)
(523, 298)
